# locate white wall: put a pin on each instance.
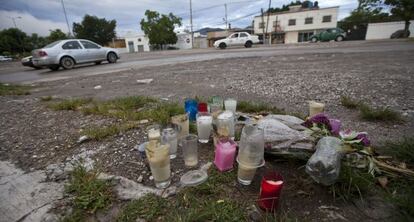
(291, 37)
(137, 40)
(300, 16)
(183, 41)
(384, 30)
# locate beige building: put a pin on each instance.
(297, 24)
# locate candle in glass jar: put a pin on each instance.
(225, 124)
(315, 108)
(224, 155)
(204, 126)
(183, 125)
(154, 132)
(230, 104)
(271, 187)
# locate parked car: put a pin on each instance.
(336, 34)
(67, 53)
(5, 58)
(237, 39)
(27, 61)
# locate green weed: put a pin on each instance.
(378, 114)
(349, 102)
(402, 150)
(352, 183)
(249, 107)
(149, 208)
(90, 193)
(10, 89)
(99, 133)
(69, 104)
(400, 193)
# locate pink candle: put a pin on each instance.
(225, 153)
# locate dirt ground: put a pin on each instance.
(33, 136)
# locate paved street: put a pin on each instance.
(15, 73)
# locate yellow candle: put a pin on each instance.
(315, 108)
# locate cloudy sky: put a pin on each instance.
(42, 15)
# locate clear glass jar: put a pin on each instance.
(251, 146)
(225, 124)
(154, 132)
(169, 136)
(159, 161)
(204, 126)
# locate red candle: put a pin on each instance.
(202, 107)
(270, 189)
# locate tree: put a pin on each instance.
(404, 9)
(12, 41)
(56, 35)
(35, 41)
(160, 28)
(95, 29)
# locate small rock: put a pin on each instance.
(140, 178)
(170, 191)
(83, 139)
(144, 81)
(254, 213)
(143, 121)
(98, 87)
(151, 178)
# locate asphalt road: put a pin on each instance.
(15, 73)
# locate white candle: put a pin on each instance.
(230, 105)
(315, 108)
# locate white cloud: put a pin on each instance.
(28, 23)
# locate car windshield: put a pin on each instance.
(52, 44)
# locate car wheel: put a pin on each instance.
(314, 39)
(112, 57)
(67, 62)
(248, 44)
(54, 67)
(222, 45)
(339, 38)
(98, 63)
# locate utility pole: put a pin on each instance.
(263, 30)
(225, 16)
(66, 17)
(191, 24)
(15, 26)
(267, 22)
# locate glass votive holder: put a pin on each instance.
(154, 132)
(191, 107)
(270, 190)
(204, 126)
(190, 150)
(230, 105)
(169, 136)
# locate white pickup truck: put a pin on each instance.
(236, 39)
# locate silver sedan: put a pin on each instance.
(67, 53)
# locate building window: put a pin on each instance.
(139, 40)
(261, 25)
(327, 18)
(292, 22)
(309, 20)
(304, 36)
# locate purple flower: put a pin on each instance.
(335, 126)
(363, 136)
(320, 119)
